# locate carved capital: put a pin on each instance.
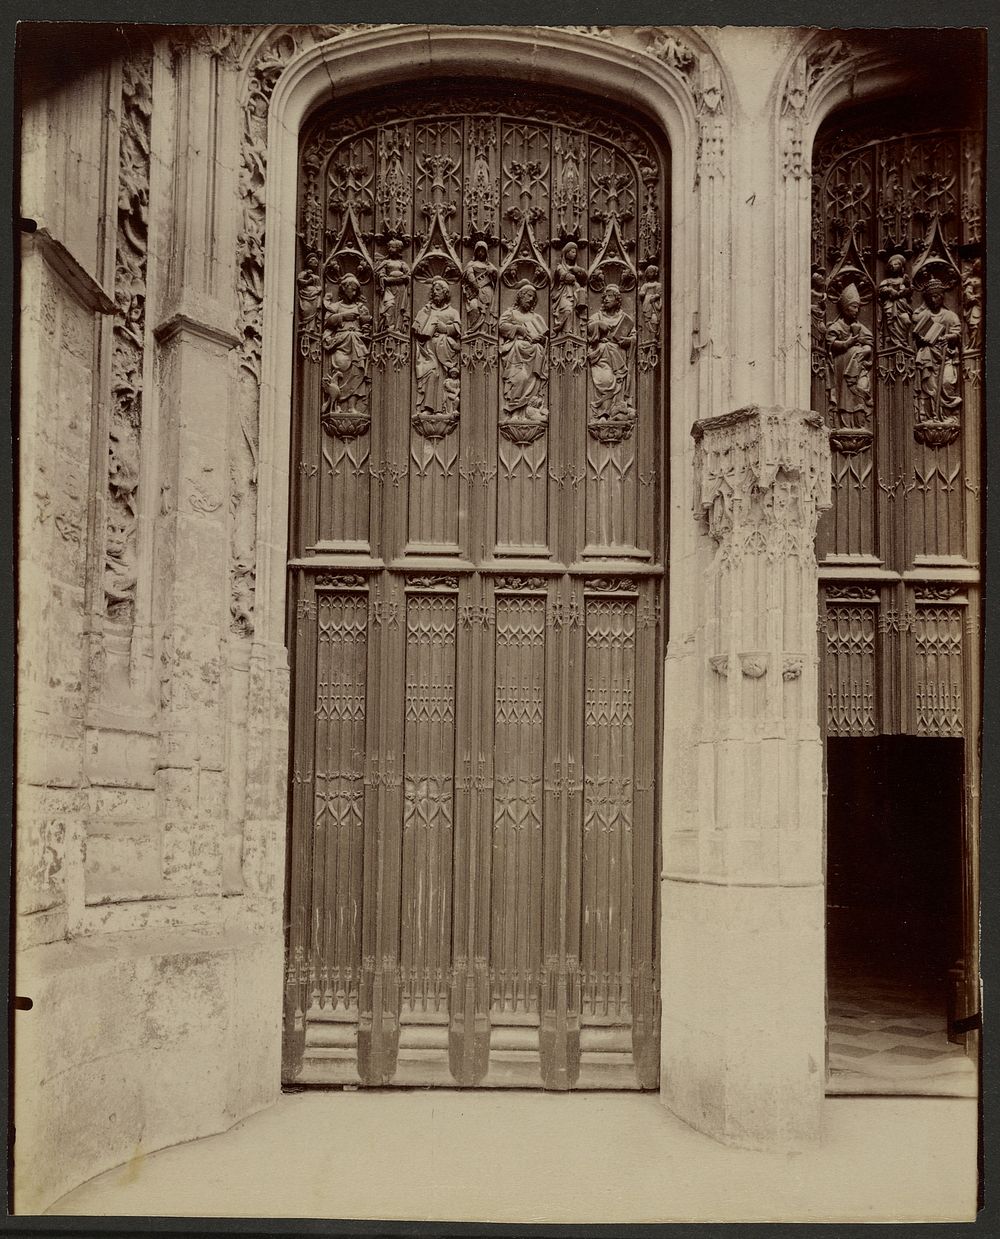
(762, 477)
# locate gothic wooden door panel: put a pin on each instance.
(475, 581)
(897, 327)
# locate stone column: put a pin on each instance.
(196, 368)
(743, 901)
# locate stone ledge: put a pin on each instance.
(180, 323)
(50, 958)
(73, 274)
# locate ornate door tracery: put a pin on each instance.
(897, 330)
(897, 346)
(476, 573)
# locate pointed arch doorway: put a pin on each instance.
(475, 580)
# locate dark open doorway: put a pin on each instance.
(894, 915)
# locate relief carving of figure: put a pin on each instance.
(123, 464)
(611, 335)
(310, 290)
(479, 280)
(894, 304)
(937, 333)
(119, 566)
(347, 320)
(438, 330)
(524, 356)
(972, 305)
(393, 276)
(651, 302)
(849, 352)
(570, 300)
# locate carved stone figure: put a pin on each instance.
(570, 299)
(347, 320)
(523, 336)
(438, 330)
(611, 336)
(310, 290)
(894, 304)
(479, 280)
(650, 302)
(119, 566)
(972, 305)
(393, 276)
(937, 333)
(849, 352)
(123, 465)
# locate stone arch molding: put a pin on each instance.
(823, 73)
(286, 72)
(825, 70)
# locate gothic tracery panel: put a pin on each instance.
(477, 435)
(897, 339)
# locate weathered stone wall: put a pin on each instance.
(149, 913)
(155, 385)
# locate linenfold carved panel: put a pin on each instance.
(897, 337)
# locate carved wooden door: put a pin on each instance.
(475, 580)
(897, 366)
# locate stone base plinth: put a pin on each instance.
(138, 1041)
(743, 1026)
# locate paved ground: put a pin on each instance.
(893, 1039)
(442, 1155)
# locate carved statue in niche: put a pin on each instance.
(937, 334)
(393, 276)
(849, 374)
(479, 281)
(438, 331)
(347, 320)
(570, 300)
(972, 305)
(119, 566)
(310, 290)
(894, 304)
(650, 302)
(524, 357)
(611, 337)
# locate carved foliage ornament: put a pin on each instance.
(125, 425)
(762, 477)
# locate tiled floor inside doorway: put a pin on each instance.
(887, 1015)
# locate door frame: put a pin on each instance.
(338, 1035)
(358, 63)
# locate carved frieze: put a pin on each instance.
(341, 580)
(515, 583)
(128, 353)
